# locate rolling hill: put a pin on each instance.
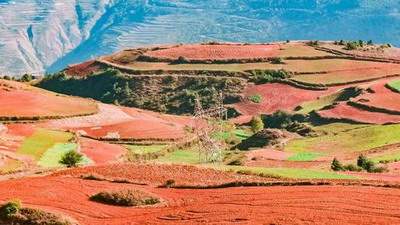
(46, 36)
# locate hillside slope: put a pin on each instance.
(38, 36)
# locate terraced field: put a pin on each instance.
(293, 107)
(24, 102)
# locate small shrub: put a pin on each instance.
(277, 60)
(13, 213)
(10, 208)
(362, 161)
(369, 166)
(336, 165)
(279, 119)
(125, 198)
(351, 46)
(352, 167)
(169, 183)
(378, 170)
(71, 159)
(26, 78)
(266, 76)
(93, 177)
(313, 43)
(256, 98)
(181, 60)
(256, 124)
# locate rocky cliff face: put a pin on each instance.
(46, 35)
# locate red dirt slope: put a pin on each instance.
(113, 122)
(101, 152)
(382, 98)
(276, 96)
(346, 112)
(21, 100)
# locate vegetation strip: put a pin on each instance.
(284, 183)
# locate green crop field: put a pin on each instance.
(390, 156)
(305, 156)
(294, 173)
(318, 104)
(180, 157)
(52, 157)
(144, 149)
(395, 85)
(347, 139)
(43, 139)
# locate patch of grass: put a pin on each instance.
(387, 157)
(289, 172)
(43, 139)
(52, 157)
(318, 104)
(125, 198)
(239, 133)
(394, 85)
(144, 149)
(352, 139)
(180, 157)
(256, 98)
(305, 156)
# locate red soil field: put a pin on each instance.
(158, 173)
(101, 152)
(216, 52)
(276, 96)
(83, 69)
(347, 112)
(125, 123)
(381, 98)
(20, 100)
(250, 205)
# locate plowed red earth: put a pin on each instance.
(346, 112)
(20, 100)
(158, 174)
(250, 205)
(276, 96)
(216, 52)
(83, 69)
(125, 123)
(381, 98)
(101, 152)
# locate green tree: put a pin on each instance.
(26, 78)
(362, 161)
(256, 124)
(336, 165)
(10, 208)
(71, 159)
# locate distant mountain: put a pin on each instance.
(47, 35)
